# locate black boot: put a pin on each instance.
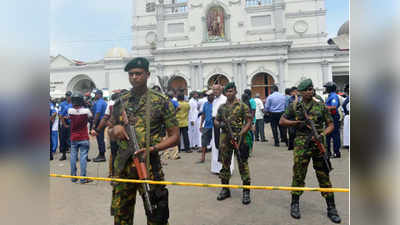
(246, 194)
(332, 212)
(100, 158)
(246, 197)
(63, 157)
(225, 192)
(294, 207)
(51, 156)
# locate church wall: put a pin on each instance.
(297, 72)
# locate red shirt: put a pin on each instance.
(79, 117)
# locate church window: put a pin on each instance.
(179, 8)
(216, 23)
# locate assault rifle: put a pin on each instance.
(315, 137)
(235, 140)
(139, 161)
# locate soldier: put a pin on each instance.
(305, 149)
(142, 106)
(238, 115)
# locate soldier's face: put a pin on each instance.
(230, 94)
(308, 93)
(138, 77)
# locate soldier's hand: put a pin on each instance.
(192, 123)
(222, 124)
(300, 124)
(118, 133)
(93, 133)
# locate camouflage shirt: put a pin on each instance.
(316, 112)
(235, 114)
(162, 112)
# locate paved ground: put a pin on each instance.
(76, 204)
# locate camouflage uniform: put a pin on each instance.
(161, 113)
(237, 115)
(304, 150)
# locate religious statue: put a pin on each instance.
(216, 24)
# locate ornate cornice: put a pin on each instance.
(144, 27)
(265, 8)
(276, 44)
(310, 13)
(234, 2)
(174, 16)
(200, 5)
(300, 36)
(141, 47)
(266, 31)
(176, 38)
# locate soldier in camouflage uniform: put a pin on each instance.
(161, 112)
(238, 115)
(305, 149)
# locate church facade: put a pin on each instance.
(197, 43)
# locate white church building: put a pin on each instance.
(197, 43)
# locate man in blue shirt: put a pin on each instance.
(275, 106)
(333, 104)
(99, 108)
(65, 132)
(206, 130)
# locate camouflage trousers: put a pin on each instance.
(225, 157)
(302, 156)
(124, 198)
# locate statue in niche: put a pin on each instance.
(216, 24)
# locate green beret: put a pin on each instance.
(305, 84)
(229, 86)
(138, 62)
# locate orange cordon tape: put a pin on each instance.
(206, 185)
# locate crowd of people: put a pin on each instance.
(212, 120)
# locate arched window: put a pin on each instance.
(216, 23)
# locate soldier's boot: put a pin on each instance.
(100, 158)
(294, 207)
(332, 212)
(225, 192)
(63, 157)
(246, 194)
(246, 197)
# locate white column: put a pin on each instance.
(282, 67)
(326, 72)
(279, 19)
(107, 80)
(192, 76)
(243, 75)
(201, 76)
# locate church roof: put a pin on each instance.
(344, 29)
(342, 41)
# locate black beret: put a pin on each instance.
(229, 86)
(305, 84)
(138, 62)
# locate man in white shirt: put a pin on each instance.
(218, 101)
(194, 129)
(259, 118)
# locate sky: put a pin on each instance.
(86, 30)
